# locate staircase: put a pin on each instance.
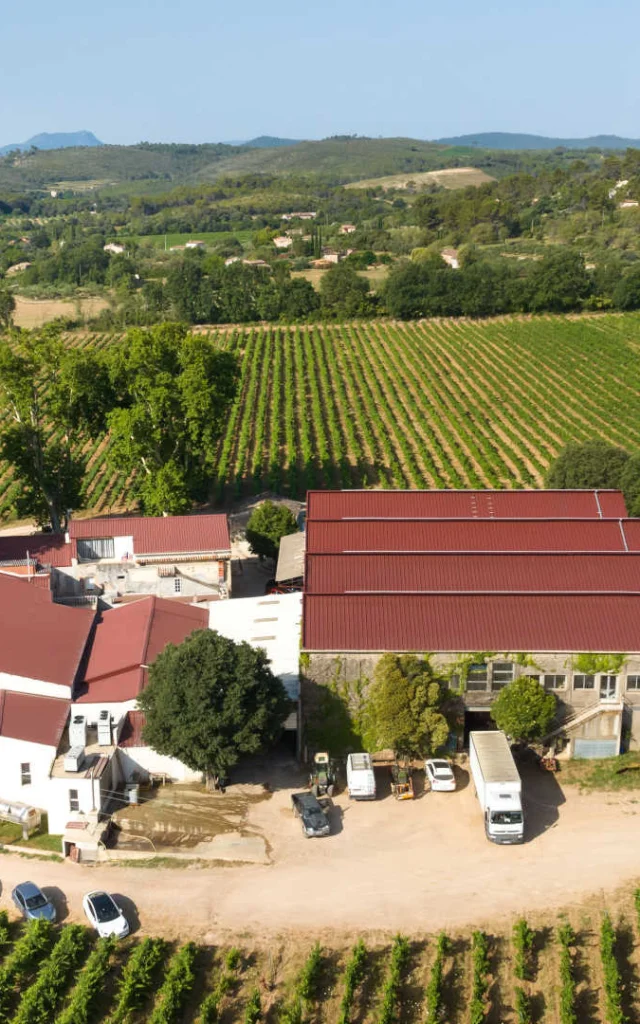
(583, 715)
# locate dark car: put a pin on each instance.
(32, 903)
(313, 817)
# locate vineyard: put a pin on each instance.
(571, 969)
(440, 403)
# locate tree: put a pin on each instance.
(524, 710)
(559, 282)
(404, 704)
(172, 395)
(344, 294)
(590, 464)
(7, 307)
(209, 700)
(42, 384)
(630, 484)
(267, 524)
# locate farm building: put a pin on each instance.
(115, 248)
(493, 585)
(116, 558)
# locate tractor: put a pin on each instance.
(323, 777)
(401, 781)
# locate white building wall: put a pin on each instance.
(13, 753)
(117, 711)
(58, 800)
(140, 760)
(21, 684)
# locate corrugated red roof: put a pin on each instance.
(335, 574)
(473, 622)
(129, 638)
(325, 505)
(159, 535)
(40, 640)
(24, 716)
(46, 548)
(465, 535)
(131, 733)
(631, 528)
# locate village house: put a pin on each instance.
(493, 585)
(115, 248)
(283, 242)
(347, 229)
(195, 244)
(450, 257)
(118, 557)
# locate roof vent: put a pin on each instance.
(74, 759)
(104, 728)
(78, 731)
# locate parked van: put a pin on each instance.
(361, 781)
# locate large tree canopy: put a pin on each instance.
(43, 385)
(524, 710)
(590, 464)
(173, 391)
(267, 525)
(209, 700)
(403, 711)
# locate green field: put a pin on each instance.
(210, 237)
(439, 403)
(564, 969)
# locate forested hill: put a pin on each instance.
(155, 167)
(54, 140)
(518, 140)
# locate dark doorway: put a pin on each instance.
(476, 721)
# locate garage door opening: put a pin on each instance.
(476, 721)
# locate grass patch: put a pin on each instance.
(11, 835)
(608, 773)
(174, 238)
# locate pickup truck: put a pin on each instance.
(313, 817)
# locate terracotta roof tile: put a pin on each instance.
(33, 719)
(161, 534)
(46, 548)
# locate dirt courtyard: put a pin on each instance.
(411, 866)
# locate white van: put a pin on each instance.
(361, 781)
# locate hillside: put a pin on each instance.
(450, 178)
(54, 140)
(154, 167)
(517, 140)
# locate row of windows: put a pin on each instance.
(500, 673)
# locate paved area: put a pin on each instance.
(412, 866)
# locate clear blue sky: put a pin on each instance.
(205, 71)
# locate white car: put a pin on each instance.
(440, 775)
(105, 915)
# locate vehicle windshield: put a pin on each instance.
(105, 908)
(35, 902)
(442, 766)
(506, 818)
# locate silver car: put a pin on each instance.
(32, 903)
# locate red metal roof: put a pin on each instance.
(335, 574)
(46, 548)
(473, 622)
(127, 639)
(465, 535)
(159, 535)
(131, 733)
(325, 505)
(24, 716)
(40, 640)
(631, 528)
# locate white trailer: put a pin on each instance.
(498, 786)
(361, 781)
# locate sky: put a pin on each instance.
(206, 71)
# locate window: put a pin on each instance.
(477, 677)
(501, 674)
(94, 549)
(177, 585)
(582, 682)
(74, 802)
(608, 687)
(25, 773)
(454, 682)
(633, 682)
(555, 682)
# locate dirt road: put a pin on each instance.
(410, 866)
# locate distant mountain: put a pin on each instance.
(265, 142)
(515, 140)
(54, 140)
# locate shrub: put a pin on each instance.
(353, 976)
(480, 958)
(566, 938)
(435, 1006)
(398, 963)
(612, 979)
(523, 938)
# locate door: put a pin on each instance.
(608, 687)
